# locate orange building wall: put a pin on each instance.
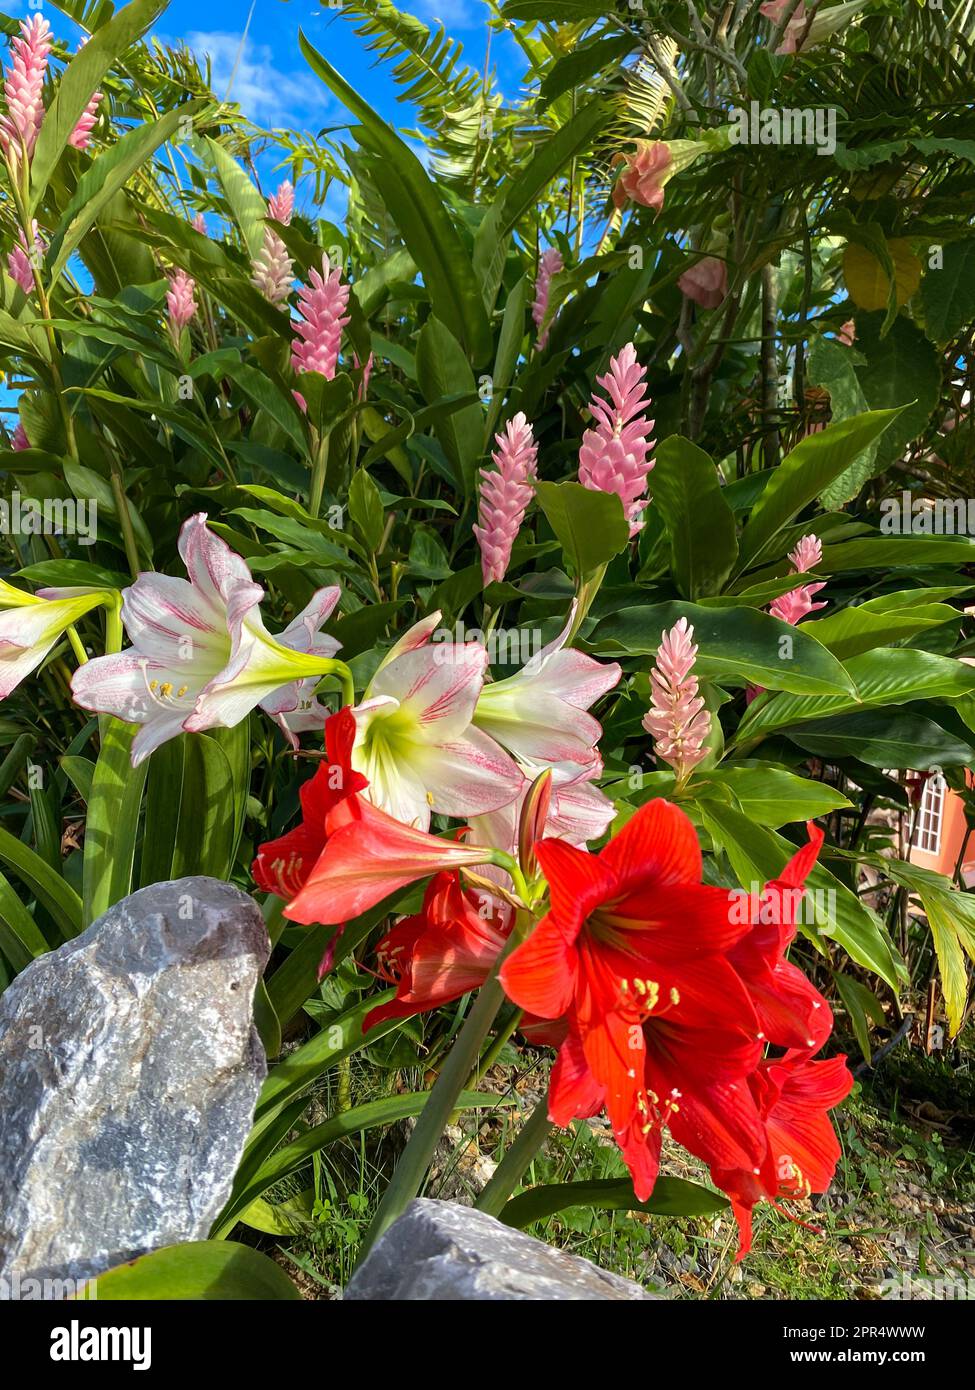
(952, 835)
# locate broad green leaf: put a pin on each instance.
(901, 369)
(591, 526)
(801, 477)
(884, 739)
(732, 643)
(519, 196)
(112, 824)
(670, 1197)
(21, 940)
(50, 889)
(862, 1006)
(164, 792)
(247, 207)
(415, 204)
(366, 508)
(876, 553)
(830, 364)
(264, 391)
(16, 760)
(510, 341)
(758, 855)
(771, 796)
(80, 81)
(443, 371)
(109, 172)
(701, 525)
(892, 676)
(948, 291)
(80, 773)
(199, 1270)
(206, 831)
(879, 622)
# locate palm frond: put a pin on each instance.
(428, 64)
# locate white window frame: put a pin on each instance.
(929, 823)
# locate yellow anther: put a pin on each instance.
(165, 690)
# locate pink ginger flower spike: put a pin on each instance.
(505, 495)
(677, 718)
(180, 303)
(19, 261)
(281, 205)
(272, 267)
(80, 137)
(322, 306)
(24, 89)
(19, 441)
(199, 224)
(272, 270)
(549, 264)
(615, 454)
(798, 603)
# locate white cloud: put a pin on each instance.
(263, 92)
(452, 14)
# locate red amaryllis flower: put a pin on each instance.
(283, 865)
(794, 1096)
(791, 1011)
(661, 1028)
(367, 856)
(442, 952)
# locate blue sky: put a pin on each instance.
(270, 80)
(273, 84)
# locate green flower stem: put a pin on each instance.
(495, 1050)
(113, 626)
(77, 646)
(318, 476)
(435, 1115)
(339, 669)
(511, 866)
(586, 590)
(514, 1165)
(125, 520)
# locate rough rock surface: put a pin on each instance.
(129, 1072)
(439, 1250)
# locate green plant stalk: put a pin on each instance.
(495, 1050)
(20, 197)
(514, 1165)
(113, 627)
(318, 476)
(77, 646)
(586, 590)
(435, 1115)
(125, 520)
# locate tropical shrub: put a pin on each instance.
(542, 635)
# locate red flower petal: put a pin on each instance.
(657, 846)
(540, 975)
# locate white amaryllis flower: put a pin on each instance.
(414, 739)
(539, 713)
(578, 811)
(33, 623)
(201, 656)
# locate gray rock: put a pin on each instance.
(129, 1072)
(442, 1251)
